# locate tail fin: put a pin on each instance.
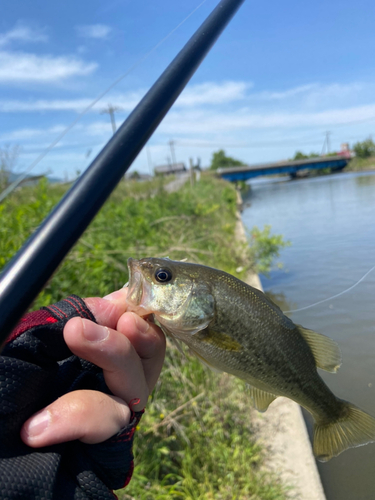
(354, 428)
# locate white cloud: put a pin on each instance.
(76, 105)
(25, 67)
(313, 92)
(271, 96)
(99, 129)
(213, 93)
(202, 121)
(196, 95)
(306, 97)
(22, 33)
(25, 134)
(94, 31)
(124, 103)
(326, 95)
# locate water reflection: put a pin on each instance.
(365, 180)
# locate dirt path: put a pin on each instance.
(177, 183)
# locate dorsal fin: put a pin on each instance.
(325, 350)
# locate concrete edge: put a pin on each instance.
(281, 429)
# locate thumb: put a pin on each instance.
(108, 310)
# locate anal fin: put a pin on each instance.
(325, 350)
(262, 399)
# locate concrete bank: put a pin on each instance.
(282, 432)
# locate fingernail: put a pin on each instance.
(142, 325)
(38, 424)
(117, 295)
(94, 332)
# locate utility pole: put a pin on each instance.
(111, 111)
(171, 144)
(326, 143)
(191, 172)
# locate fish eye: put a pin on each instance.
(163, 275)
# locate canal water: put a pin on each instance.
(330, 222)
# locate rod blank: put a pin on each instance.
(35, 263)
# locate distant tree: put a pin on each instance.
(220, 160)
(135, 175)
(301, 156)
(364, 149)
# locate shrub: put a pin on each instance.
(364, 149)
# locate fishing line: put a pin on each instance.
(19, 179)
(333, 296)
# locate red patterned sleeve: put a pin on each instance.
(36, 368)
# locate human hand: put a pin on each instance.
(129, 349)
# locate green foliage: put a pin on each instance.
(301, 156)
(197, 443)
(243, 186)
(194, 441)
(357, 164)
(135, 175)
(220, 160)
(265, 248)
(139, 220)
(364, 149)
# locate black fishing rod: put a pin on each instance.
(34, 264)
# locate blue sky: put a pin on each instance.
(279, 77)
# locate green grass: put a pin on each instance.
(196, 439)
(197, 224)
(359, 164)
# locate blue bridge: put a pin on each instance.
(234, 174)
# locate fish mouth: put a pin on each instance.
(139, 290)
(135, 283)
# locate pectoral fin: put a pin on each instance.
(175, 341)
(262, 399)
(220, 340)
(325, 350)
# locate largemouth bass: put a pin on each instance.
(233, 327)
